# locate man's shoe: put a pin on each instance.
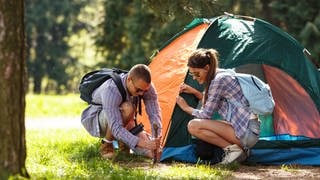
(106, 150)
(232, 153)
(123, 148)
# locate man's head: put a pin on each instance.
(139, 79)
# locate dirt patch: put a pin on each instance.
(253, 172)
(246, 171)
(277, 172)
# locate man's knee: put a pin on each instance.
(127, 110)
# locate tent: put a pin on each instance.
(291, 134)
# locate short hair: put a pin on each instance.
(140, 71)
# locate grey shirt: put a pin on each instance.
(109, 96)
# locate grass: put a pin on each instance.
(73, 154)
(289, 168)
(38, 106)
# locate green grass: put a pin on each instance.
(54, 105)
(73, 154)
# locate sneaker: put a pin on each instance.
(106, 150)
(123, 148)
(232, 153)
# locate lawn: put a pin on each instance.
(74, 154)
(71, 153)
(39, 106)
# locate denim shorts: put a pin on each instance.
(251, 136)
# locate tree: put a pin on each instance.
(48, 26)
(134, 29)
(302, 20)
(12, 94)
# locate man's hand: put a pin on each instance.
(147, 143)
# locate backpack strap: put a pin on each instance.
(117, 80)
(228, 100)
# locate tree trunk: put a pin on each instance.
(13, 88)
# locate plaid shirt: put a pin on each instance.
(225, 86)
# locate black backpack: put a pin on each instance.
(208, 152)
(94, 79)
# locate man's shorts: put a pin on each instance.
(103, 123)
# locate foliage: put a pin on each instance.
(302, 20)
(126, 38)
(39, 106)
(69, 38)
(48, 25)
(73, 154)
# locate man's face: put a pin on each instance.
(137, 87)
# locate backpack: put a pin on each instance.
(208, 152)
(256, 92)
(94, 79)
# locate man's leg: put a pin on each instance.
(106, 147)
(127, 110)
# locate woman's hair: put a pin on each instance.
(140, 71)
(202, 57)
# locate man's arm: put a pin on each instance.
(150, 99)
(111, 100)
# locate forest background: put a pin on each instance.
(67, 38)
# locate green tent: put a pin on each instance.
(250, 45)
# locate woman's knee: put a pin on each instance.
(193, 126)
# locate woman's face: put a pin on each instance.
(199, 74)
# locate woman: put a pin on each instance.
(240, 128)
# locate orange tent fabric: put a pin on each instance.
(172, 73)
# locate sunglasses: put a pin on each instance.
(195, 74)
(138, 90)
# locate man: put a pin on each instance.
(113, 119)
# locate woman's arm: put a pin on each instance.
(184, 105)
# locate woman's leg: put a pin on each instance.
(221, 134)
(215, 132)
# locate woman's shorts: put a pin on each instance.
(251, 136)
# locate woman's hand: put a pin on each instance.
(185, 88)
